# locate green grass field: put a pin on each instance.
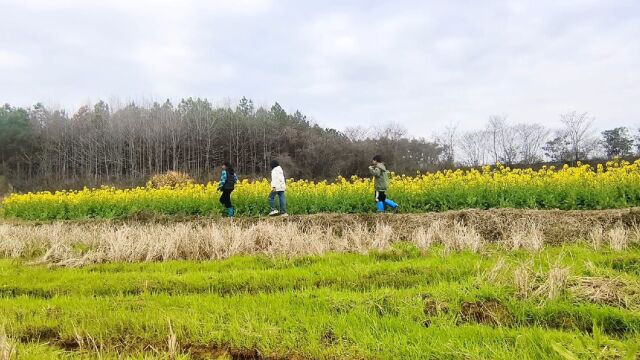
(565, 302)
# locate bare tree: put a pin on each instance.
(391, 131)
(357, 133)
(495, 129)
(579, 132)
(505, 145)
(475, 147)
(448, 140)
(510, 146)
(531, 138)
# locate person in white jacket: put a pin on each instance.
(278, 187)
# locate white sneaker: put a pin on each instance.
(274, 213)
(285, 215)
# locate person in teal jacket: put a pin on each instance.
(381, 184)
(228, 181)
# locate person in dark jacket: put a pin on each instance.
(381, 184)
(228, 181)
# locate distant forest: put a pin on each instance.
(43, 148)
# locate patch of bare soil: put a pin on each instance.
(433, 308)
(202, 352)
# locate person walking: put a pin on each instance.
(278, 187)
(381, 183)
(228, 181)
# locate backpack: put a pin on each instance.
(231, 181)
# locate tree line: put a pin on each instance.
(45, 148)
(527, 144)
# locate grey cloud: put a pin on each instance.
(421, 64)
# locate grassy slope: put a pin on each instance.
(399, 304)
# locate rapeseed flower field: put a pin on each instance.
(615, 184)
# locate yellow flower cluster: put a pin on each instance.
(611, 185)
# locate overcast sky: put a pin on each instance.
(423, 64)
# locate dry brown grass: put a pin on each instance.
(7, 347)
(618, 238)
(616, 292)
(497, 269)
(606, 291)
(78, 243)
(173, 348)
(495, 225)
(596, 237)
(523, 281)
(556, 282)
(526, 235)
(426, 237)
(74, 245)
(462, 237)
(171, 178)
(87, 344)
(634, 234)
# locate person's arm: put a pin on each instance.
(281, 180)
(223, 179)
(375, 171)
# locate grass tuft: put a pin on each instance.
(7, 348)
(618, 238)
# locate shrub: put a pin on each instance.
(170, 179)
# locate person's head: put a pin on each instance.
(376, 160)
(227, 166)
(274, 164)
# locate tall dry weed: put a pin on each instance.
(383, 236)
(596, 237)
(618, 238)
(556, 282)
(495, 271)
(173, 348)
(463, 237)
(358, 236)
(634, 234)
(526, 235)
(435, 233)
(523, 281)
(7, 348)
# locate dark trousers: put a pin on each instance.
(225, 199)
